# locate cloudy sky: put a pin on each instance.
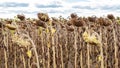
(55, 8)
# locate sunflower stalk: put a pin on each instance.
(34, 49)
(101, 49)
(116, 48)
(75, 45)
(43, 60)
(5, 53)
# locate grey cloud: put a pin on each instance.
(104, 7)
(53, 4)
(112, 7)
(83, 7)
(13, 4)
(48, 6)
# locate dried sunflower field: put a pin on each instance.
(76, 42)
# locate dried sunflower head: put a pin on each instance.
(73, 15)
(79, 23)
(15, 37)
(107, 22)
(21, 16)
(20, 41)
(69, 23)
(9, 21)
(41, 23)
(53, 31)
(92, 19)
(93, 40)
(85, 36)
(110, 16)
(70, 28)
(10, 26)
(43, 16)
(23, 42)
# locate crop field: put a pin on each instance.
(75, 42)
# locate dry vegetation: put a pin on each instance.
(77, 42)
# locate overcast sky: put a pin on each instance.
(10, 8)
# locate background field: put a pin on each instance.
(59, 43)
